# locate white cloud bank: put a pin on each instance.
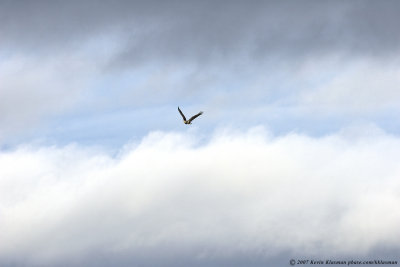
(169, 197)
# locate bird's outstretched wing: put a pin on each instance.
(183, 116)
(195, 116)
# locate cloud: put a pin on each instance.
(100, 57)
(244, 197)
(282, 33)
(36, 87)
(360, 87)
(207, 30)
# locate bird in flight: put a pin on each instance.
(192, 118)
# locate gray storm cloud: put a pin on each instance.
(241, 199)
(309, 56)
(206, 30)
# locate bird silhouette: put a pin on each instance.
(192, 118)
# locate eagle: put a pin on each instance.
(192, 118)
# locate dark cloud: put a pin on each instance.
(174, 46)
(207, 30)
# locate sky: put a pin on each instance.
(295, 156)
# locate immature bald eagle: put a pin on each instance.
(192, 118)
